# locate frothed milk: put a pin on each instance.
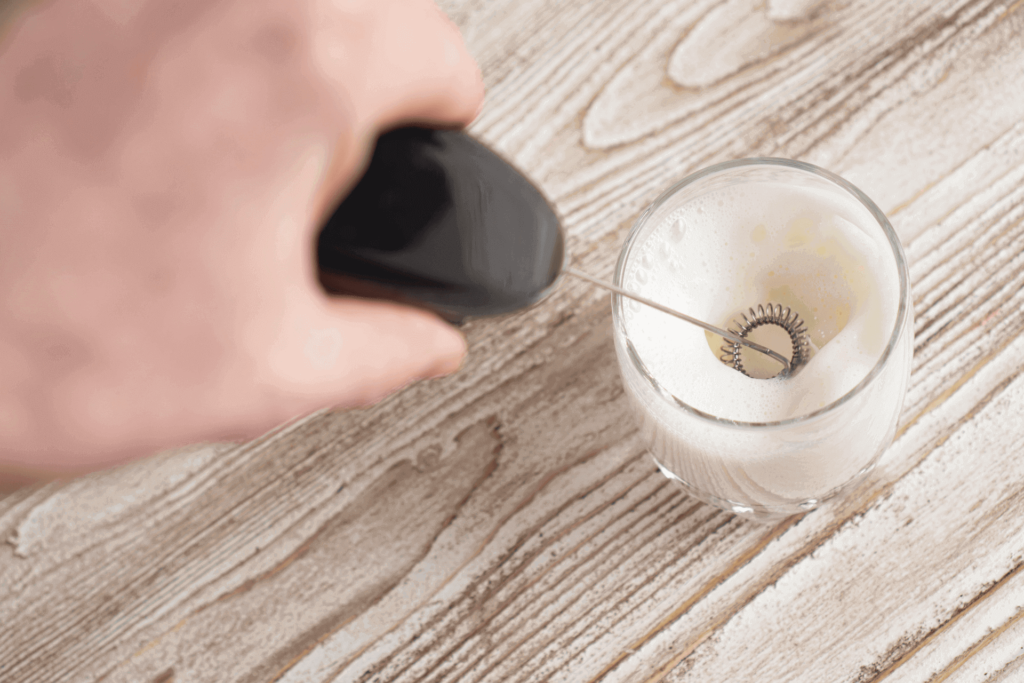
(753, 235)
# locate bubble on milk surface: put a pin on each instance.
(811, 245)
(676, 233)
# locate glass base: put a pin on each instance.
(762, 514)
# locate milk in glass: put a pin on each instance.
(758, 234)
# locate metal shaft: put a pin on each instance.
(693, 321)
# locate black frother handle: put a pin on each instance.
(440, 221)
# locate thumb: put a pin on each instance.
(348, 352)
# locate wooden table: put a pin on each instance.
(505, 524)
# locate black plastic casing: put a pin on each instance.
(440, 221)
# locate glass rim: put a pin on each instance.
(880, 217)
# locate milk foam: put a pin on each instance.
(744, 245)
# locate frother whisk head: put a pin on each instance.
(772, 314)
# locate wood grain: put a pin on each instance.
(505, 524)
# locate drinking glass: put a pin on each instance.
(769, 470)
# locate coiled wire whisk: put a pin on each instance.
(773, 314)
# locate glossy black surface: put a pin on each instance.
(440, 221)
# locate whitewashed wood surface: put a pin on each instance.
(504, 524)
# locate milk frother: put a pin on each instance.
(440, 221)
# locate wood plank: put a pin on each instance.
(981, 643)
(505, 524)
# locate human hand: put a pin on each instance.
(164, 168)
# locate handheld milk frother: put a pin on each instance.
(440, 221)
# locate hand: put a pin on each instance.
(164, 169)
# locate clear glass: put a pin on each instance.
(769, 470)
